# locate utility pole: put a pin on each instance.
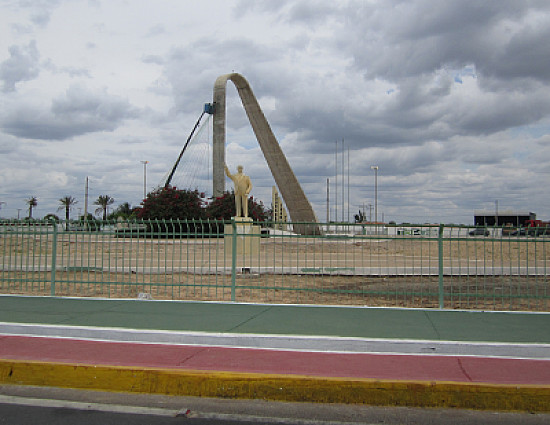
(343, 182)
(348, 185)
(336, 183)
(86, 200)
(328, 201)
(375, 168)
(144, 178)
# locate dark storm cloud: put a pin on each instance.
(500, 111)
(22, 65)
(505, 39)
(78, 112)
(425, 49)
(192, 70)
(527, 55)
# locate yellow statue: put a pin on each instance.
(243, 186)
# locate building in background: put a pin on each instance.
(279, 212)
(503, 218)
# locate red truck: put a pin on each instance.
(535, 228)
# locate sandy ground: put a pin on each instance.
(479, 273)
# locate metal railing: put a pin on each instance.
(350, 264)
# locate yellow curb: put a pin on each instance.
(532, 398)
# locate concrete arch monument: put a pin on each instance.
(299, 208)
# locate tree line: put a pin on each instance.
(166, 203)
(68, 202)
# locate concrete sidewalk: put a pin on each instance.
(488, 360)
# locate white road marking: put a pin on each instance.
(325, 344)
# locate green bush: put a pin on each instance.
(90, 223)
(171, 212)
(223, 208)
(172, 203)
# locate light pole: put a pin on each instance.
(144, 178)
(375, 168)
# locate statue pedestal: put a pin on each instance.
(247, 237)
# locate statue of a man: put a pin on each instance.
(243, 186)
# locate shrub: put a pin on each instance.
(172, 203)
(51, 217)
(223, 208)
(89, 223)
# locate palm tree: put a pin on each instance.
(32, 202)
(103, 201)
(67, 203)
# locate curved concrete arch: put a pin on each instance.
(299, 208)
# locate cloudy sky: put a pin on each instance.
(451, 99)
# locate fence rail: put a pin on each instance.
(376, 265)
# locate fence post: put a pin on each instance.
(54, 260)
(233, 258)
(440, 265)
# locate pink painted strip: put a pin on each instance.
(356, 365)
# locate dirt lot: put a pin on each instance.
(479, 292)
(509, 274)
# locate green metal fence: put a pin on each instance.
(375, 265)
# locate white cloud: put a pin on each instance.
(78, 111)
(22, 65)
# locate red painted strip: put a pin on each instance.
(375, 366)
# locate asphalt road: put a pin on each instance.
(44, 406)
(29, 415)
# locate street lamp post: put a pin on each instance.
(144, 178)
(375, 168)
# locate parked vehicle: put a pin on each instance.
(519, 232)
(532, 231)
(537, 227)
(480, 231)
